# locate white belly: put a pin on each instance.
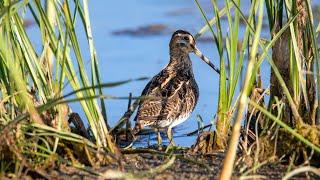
(179, 121)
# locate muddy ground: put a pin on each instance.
(150, 164)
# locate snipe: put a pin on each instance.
(173, 93)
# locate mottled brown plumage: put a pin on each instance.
(173, 93)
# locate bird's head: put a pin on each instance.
(185, 42)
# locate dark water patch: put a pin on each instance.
(147, 30)
(243, 22)
(205, 39)
(210, 39)
(180, 12)
(28, 23)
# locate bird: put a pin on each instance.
(172, 94)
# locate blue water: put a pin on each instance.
(123, 57)
(126, 57)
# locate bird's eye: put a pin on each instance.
(186, 38)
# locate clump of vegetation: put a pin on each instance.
(35, 131)
(288, 125)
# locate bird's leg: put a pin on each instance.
(171, 145)
(170, 136)
(159, 138)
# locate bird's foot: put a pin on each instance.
(160, 147)
(172, 147)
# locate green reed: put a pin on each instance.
(32, 82)
(231, 104)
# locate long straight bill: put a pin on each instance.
(205, 59)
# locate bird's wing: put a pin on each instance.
(157, 84)
(162, 103)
